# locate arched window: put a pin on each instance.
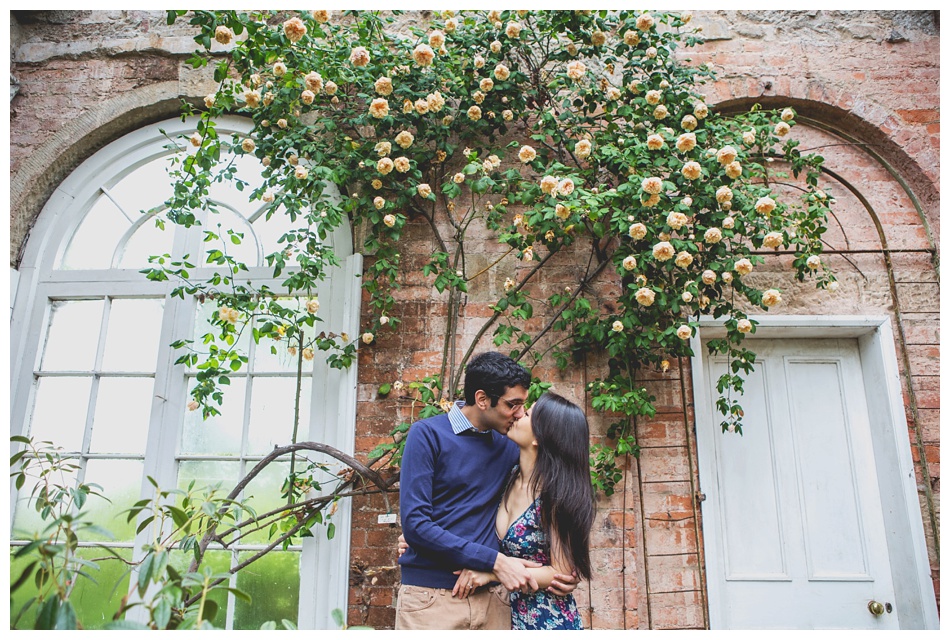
(92, 371)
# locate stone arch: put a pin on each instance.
(881, 134)
(35, 180)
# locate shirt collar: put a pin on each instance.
(461, 424)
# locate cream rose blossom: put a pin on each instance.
(617, 326)
(723, 194)
(637, 231)
(676, 220)
(404, 139)
(436, 39)
(383, 85)
(645, 296)
(764, 205)
(813, 262)
(474, 113)
(583, 149)
(629, 263)
(686, 142)
(782, 129)
(726, 155)
(576, 70)
(645, 22)
(772, 240)
(565, 187)
(359, 57)
(424, 190)
(379, 108)
(549, 184)
(743, 266)
(652, 185)
(295, 29)
(684, 332)
(501, 72)
(384, 166)
(527, 153)
(383, 148)
(712, 235)
(708, 276)
(423, 55)
(771, 297)
(654, 142)
(663, 251)
(367, 337)
(322, 16)
(223, 35)
(683, 259)
(692, 170)
(389, 220)
(743, 326)
(301, 173)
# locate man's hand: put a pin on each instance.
(513, 573)
(562, 584)
(403, 546)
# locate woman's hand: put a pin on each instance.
(470, 580)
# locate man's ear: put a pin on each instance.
(482, 401)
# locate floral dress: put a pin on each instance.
(539, 610)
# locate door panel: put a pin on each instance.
(793, 525)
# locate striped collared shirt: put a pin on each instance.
(458, 420)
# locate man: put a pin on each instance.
(453, 469)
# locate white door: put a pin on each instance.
(793, 526)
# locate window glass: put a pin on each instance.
(68, 319)
(133, 333)
(147, 240)
(120, 424)
(272, 413)
(274, 579)
(59, 410)
(94, 242)
(121, 482)
(221, 434)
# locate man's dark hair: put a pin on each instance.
(493, 373)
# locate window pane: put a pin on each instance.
(275, 356)
(26, 519)
(121, 482)
(219, 223)
(273, 582)
(59, 411)
(263, 492)
(207, 473)
(218, 562)
(72, 336)
(133, 334)
(205, 312)
(146, 187)
(147, 240)
(96, 238)
(221, 434)
(123, 406)
(272, 413)
(95, 603)
(249, 169)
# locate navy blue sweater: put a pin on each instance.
(449, 487)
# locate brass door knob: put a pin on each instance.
(875, 607)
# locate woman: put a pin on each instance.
(546, 512)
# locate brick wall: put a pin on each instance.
(864, 82)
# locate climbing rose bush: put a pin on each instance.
(581, 131)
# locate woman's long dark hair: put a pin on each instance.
(561, 477)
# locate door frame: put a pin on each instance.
(916, 604)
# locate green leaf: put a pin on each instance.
(384, 389)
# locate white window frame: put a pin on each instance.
(324, 565)
(913, 584)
